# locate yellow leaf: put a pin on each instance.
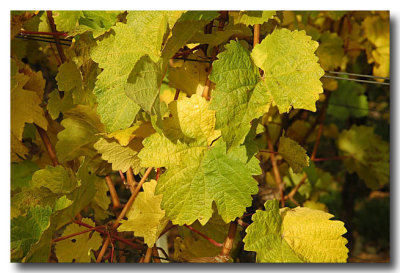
(145, 217)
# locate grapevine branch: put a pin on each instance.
(275, 167)
(56, 37)
(46, 141)
(113, 193)
(149, 252)
(122, 214)
(76, 234)
(228, 244)
(206, 92)
(131, 180)
(156, 258)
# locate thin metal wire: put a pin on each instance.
(358, 108)
(357, 75)
(355, 80)
(44, 37)
(192, 60)
(39, 40)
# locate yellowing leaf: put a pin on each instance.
(313, 237)
(82, 126)
(293, 153)
(191, 76)
(18, 149)
(145, 217)
(252, 17)
(330, 51)
(25, 106)
(291, 70)
(78, 248)
(369, 155)
(142, 34)
(122, 158)
(295, 235)
(57, 105)
(57, 179)
(138, 130)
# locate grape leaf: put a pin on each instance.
(330, 51)
(81, 197)
(291, 70)
(18, 149)
(145, 217)
(121, 158)
(21, 173)
(25, 106)
(79, 22)
(191, 76)
(57, 179)
(190, 188)
(368, 155)
(264, 237)
(184, 28)
(295, 235)
(143, 86)
(377, 31)
(81, 128)
(57, 105)
(142, 34)
(26, 230)
(139, 130)
(348, 100)
(293, 153)
(313, 237)
(239, 96)
(78, 248)
(101, 201)
(252, 17)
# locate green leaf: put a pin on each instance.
(143, 86)
(121, 158)
(239, 96)
(57, 179)
(79, 22)
(190, 188)
(25, 106)
(82, 126)
(81, 197)
(293, 153)
(348, 100)
(145, 217)
(184, 28)
(26, 230)
(141, 35)
(291, 70)
(78, 248)
(295, 235)
(21, 173)
(368, 155)
(252, 17)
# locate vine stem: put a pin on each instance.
(46, 141)
(256, 39)
(149, 252)
(204, 236)
(131, 180)
(76, 234)
(56, 37)
(228, 244)
(206, 91)
(331, 158)
(122, 214)
(113, 193)
(155, 254)
(275, 169)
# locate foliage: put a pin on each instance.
(220, 115)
